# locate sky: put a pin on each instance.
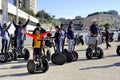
(70, 8)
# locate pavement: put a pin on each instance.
(107, 68)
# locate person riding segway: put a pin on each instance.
(5, 55)
(93, 42)
(39, 62)
(57, 58)
(19, 49)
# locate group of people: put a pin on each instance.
(39, 32)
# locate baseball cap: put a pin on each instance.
(94, 20)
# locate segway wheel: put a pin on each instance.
(3, 58)
(54, 58)
(75, 54)
(26, 54)
(48, 55)
(14, 51)
(61, 59)
(100, 53)
(68, 55)
(89, 53)
(10, 56)
(118, 51)
(31, 67)
(45, 65)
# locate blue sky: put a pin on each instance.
(72, 8)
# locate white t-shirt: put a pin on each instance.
(62, 33)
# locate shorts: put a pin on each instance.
(36, 51)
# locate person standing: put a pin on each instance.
(5, 37)
(70, 36)
(62, 37)
(107, 37)
(42, 30)
(19, 35)
(37, 53)
(38, 25)
(94, 33)
(57, 39)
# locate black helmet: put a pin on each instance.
(57, 27)
(62, 25)
(38, 24)
(20, 22)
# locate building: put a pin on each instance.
(12, 11)
(27, 4)
(103, 18)
(31, 5)
(78, 22)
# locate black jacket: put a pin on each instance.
(57, 37)
(17, 27)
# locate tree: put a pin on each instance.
(107, 25)
(43, 14)
(28, 11)
(45, 17)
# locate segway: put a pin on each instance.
(118, 50)
(58, 58)
(97, 52)
(71, 56)
(40, 66)
(21, 53)
(75, 54)
(8, 56)
(79, 39)
(47, 45)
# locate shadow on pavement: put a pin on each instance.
(19, 74)
(81, 50)
(54, 65)
(112, 56)
(18, 67)
(14, 62)
(106, 66)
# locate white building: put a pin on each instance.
(22, 16)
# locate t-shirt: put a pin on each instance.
(20, 31)
(37, 42)
(94, 29)
(57, 37)
(70, 33)
(37, 38)
(62, 34)
(5, 34)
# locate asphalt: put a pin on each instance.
(107, 68)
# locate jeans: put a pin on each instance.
(70, 45)
(4, 46)
(57, 47)
(20, 41)
(61, 44)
